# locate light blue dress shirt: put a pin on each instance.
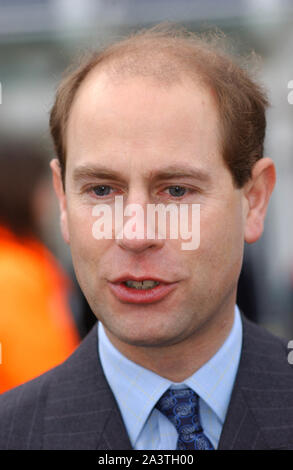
(137, 391)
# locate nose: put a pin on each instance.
(132, 232)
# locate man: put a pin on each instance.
(162, 117)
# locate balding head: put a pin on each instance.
(166, 55)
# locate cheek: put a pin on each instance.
(222, 237)
(85, 249)
(80, 227)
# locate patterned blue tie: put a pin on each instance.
(180, 406)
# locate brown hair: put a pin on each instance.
(168, 54)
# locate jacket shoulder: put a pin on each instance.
(20, 411)
(263, 347)
(23, 409)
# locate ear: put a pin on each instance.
(59, 190)
(257, 192)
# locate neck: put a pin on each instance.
(179, 361)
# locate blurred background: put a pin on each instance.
(38, 41)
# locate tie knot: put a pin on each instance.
(178, 404)
(181, 407)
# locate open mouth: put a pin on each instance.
(143, 291)
(141, 285)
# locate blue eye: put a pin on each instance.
(177, 191)
(102, 190)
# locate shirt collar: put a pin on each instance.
(137, 389)
(214, 381)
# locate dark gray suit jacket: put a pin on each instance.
(72, 406)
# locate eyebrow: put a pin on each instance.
(175, 171)
(172, 171)
(95, 171)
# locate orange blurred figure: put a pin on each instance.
(37, 330)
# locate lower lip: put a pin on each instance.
(140, 296)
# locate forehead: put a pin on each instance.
(142, 119)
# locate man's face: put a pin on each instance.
(137, 131)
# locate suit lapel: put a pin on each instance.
(81, 411)
(261, 404)
(240, 430)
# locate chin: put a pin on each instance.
(147, 339)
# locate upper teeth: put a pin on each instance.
(147, 284)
